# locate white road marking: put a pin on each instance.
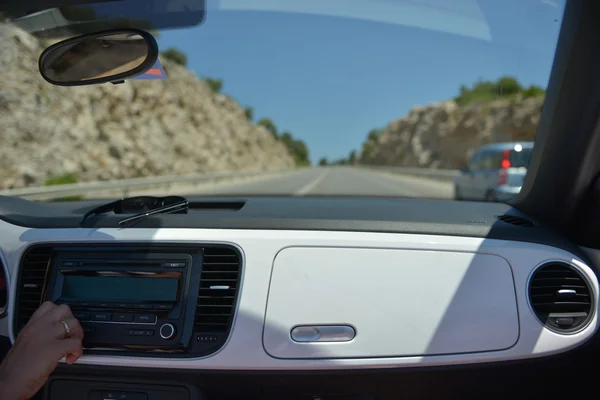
(311, 185)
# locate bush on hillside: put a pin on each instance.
(505, 87)
(215, 84)
(249, 111)
(175, 55)
(297, 148)
(269, 125)
(64, 179)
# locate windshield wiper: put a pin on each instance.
(181, 206)
(141, 207)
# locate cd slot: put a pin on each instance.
(104, 263)
(124, 264)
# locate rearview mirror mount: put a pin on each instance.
(101, 57)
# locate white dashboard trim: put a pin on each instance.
(244, 349)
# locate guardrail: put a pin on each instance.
(125, 186)
(447, 175)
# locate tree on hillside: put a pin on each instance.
(341, 161)
(366, 155)
(300, 152)
(286, 138)
(249, 111)
(269, 125)
(506, 86)
(323, 162)
(352, 157)
(175, 55)
(374, 135)
(296, 147)
(215, 84)
(533, 91)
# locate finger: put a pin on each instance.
(70, 348)
(42, 310)
(71, 358)
(60, 331)
(60, 312)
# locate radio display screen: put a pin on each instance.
(119, 289)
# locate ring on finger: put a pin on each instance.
(67, 328)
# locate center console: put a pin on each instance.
(167, 300)
(129, 301)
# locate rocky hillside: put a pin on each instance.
(136, 129)
(443, 135)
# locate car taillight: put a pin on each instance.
(502, 177)
(505, 159)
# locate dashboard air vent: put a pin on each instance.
(560, 297)
(219, 284)
(32, 278)
(517, 221)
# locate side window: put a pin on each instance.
(496, 160)
(475, 161)
(487, 160)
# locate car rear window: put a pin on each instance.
(520, 159)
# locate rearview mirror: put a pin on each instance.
(109, 56)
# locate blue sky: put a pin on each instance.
(329, 71)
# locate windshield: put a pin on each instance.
(290, 97)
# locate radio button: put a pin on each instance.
(174, 265)
(141, 332)
(82, 315)
(122, 317)
(167, 331)
(144, 318)
(87, 329)
(143, 306)
(100, 316)
(70, 263)
(163, 306)
(102, 305)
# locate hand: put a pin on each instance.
(37, 350)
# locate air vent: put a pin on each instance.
(517, 221)
(560, 297)
(219, 283)
(32, 278)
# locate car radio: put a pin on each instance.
(138, 301)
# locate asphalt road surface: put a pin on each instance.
(340, 181)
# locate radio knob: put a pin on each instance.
(167, 331)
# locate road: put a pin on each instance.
(332, 181)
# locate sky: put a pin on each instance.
(329, 71)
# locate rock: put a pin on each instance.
(444, 135)
(136, 129)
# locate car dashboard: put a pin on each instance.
(459, 284)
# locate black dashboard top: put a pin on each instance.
(363, 214)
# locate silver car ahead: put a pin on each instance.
(494, 172)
